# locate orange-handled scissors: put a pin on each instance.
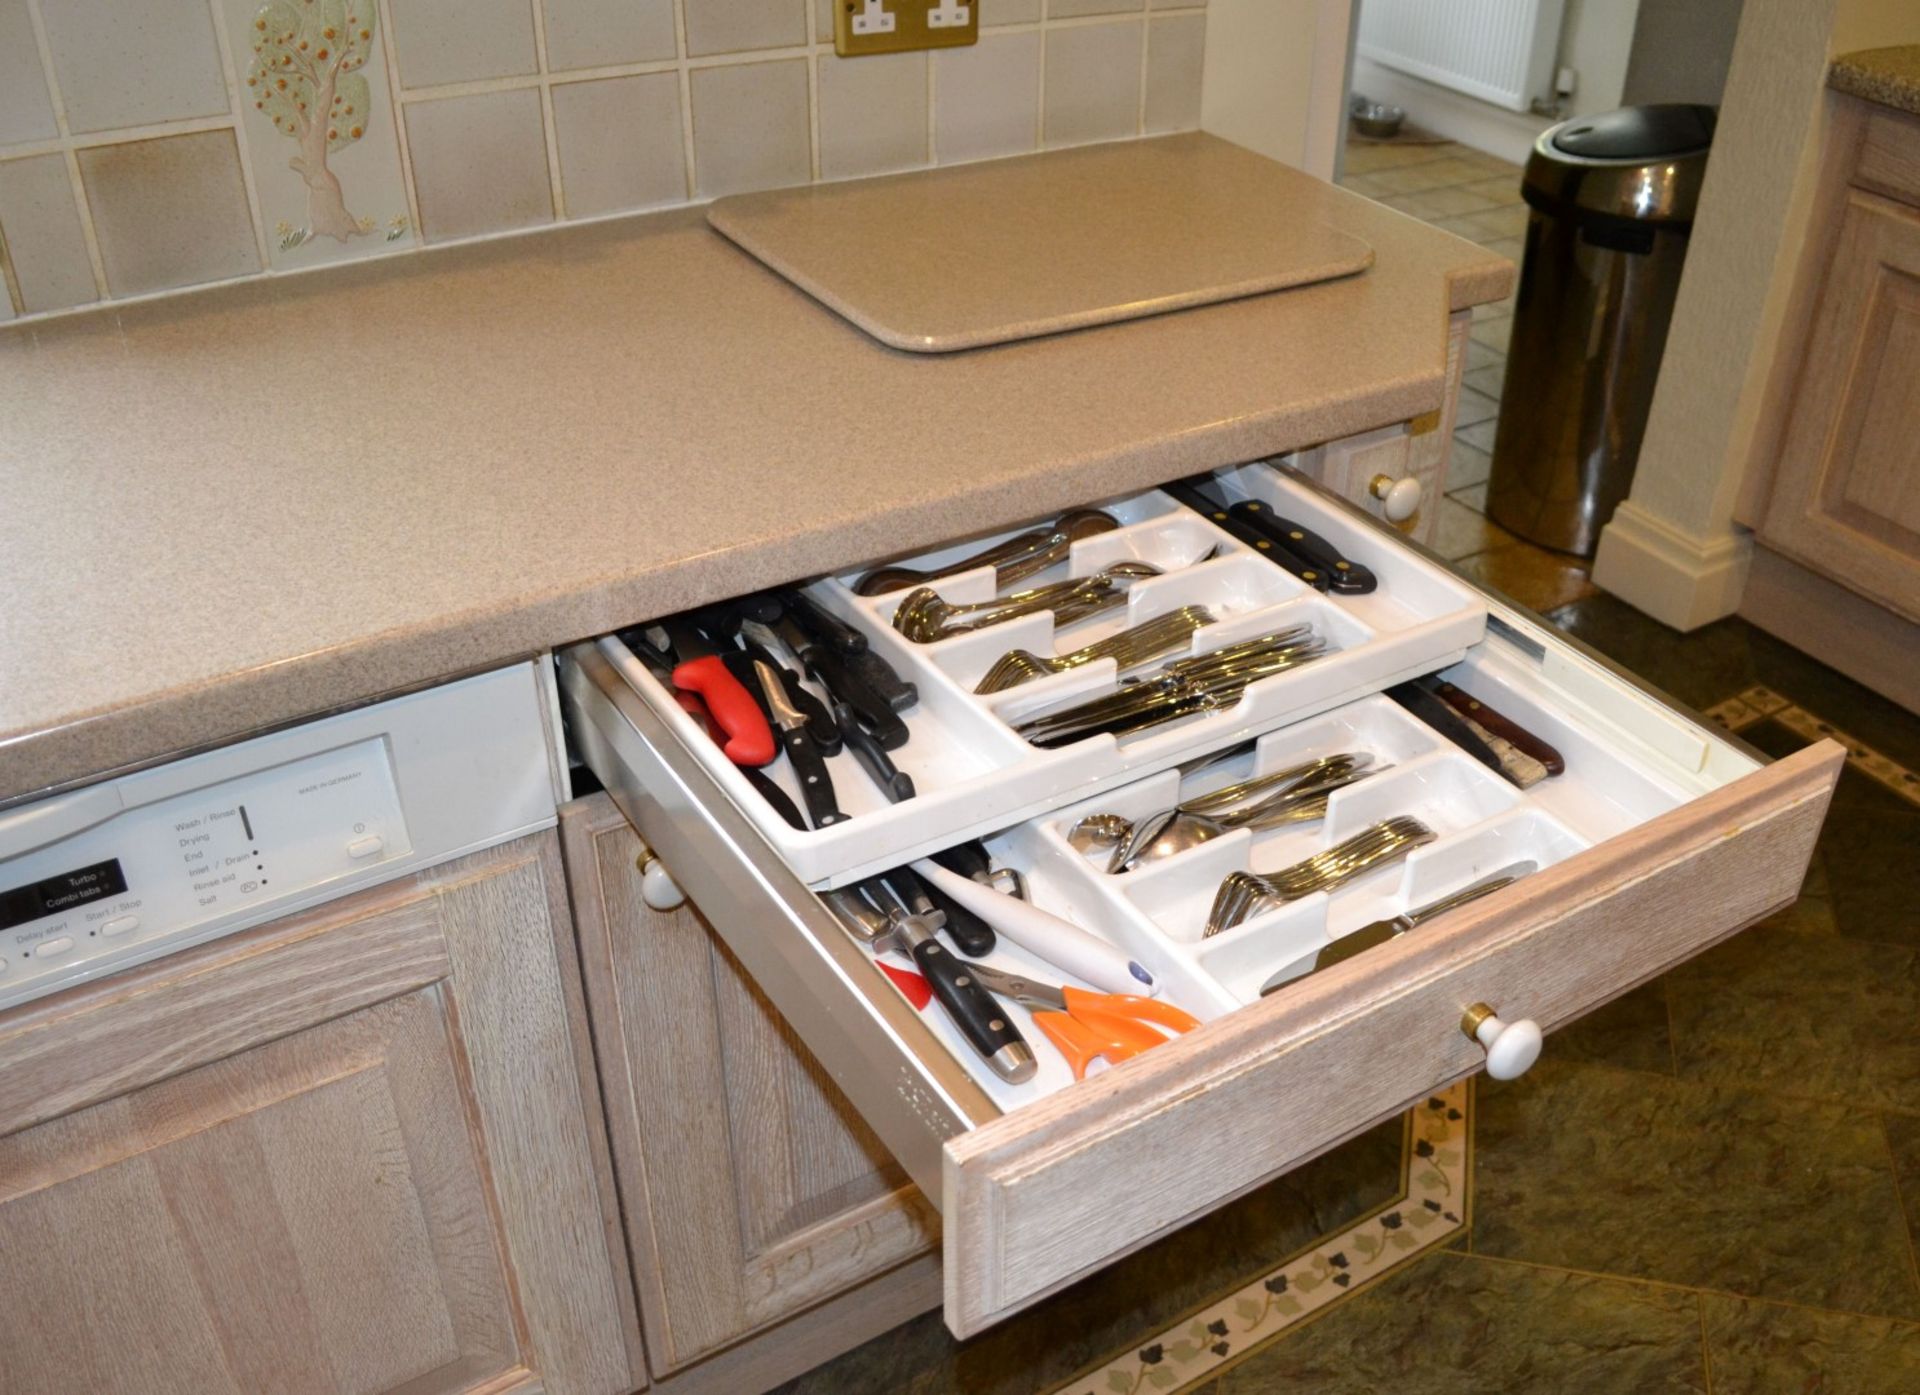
(1085, 1026)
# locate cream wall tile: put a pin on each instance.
(873, 114)
(438, 41)
(736, 26)
(1176, 4)
(1093, 82)
(303, 223)
(1176, 54)
(620, 143)
(169, 212)
(26, 113)
(1073, 9)
(595, 33)
(479, 164)
(750, 127)
(134, 62)
(42, 230)
(987, 98)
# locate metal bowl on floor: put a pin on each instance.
(1378, 120)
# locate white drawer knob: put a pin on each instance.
(1511, 1047)
(657, 888)
(1399, 499)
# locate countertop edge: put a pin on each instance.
(1888, 77)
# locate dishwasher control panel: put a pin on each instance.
(199, 858)
(170, 857)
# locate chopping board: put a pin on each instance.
(972, 255)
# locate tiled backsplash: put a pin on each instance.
(152, 145)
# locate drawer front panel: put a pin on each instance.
(1034, 1201)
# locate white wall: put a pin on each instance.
(1596, 38)
(1276, 78)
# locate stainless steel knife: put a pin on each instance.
(1378, 933)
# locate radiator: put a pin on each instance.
(1501, 51)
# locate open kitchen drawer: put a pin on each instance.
(1662, 837)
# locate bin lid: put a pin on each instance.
(1639, 133)
(1638, 165)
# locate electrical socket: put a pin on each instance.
(899, 26)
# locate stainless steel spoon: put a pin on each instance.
(1013, 560)
(1303, 801)
(925, 615)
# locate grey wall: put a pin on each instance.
(1681, 49)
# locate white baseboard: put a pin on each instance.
(1509, 135)
(1677, 578)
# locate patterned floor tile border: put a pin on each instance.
(1434, 1206)
(1759, 704)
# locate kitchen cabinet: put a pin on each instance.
(1662, 838)
(1837, 502)
(357, 1149)
(768, 1227)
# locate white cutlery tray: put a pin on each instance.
(974, 773)
(1157, 913)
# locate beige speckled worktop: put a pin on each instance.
(1889, 76)
(224, 511)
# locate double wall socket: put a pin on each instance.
(897, 26)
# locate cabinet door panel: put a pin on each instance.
(1846, 495)
(752, 1190)
(290, 1162)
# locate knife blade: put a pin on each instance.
(700, 669)
(820, 722)
(1380, 931)
(809, 766)
(986, 1025)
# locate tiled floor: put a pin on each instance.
(1710, 1185)
(1477, 197)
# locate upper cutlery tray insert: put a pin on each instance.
(1156, 912)
(974, 772)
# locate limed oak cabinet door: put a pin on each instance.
(1846, 490)
(768, 1227)
(355, 1150)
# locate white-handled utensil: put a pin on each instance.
(1060, 942)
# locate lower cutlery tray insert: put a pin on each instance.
(1156, 912)
(973, 771)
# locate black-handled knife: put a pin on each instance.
(831, 669)
(894, 782)
(821, 623)
(971, 935)
(1350, 578)
(981, 1018)
(1216, 513)
(878, 674)
(809, 766)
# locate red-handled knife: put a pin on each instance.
(700, 670)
